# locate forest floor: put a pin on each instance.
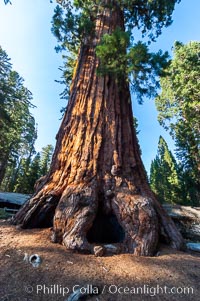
(172, 275)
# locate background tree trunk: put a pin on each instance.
(3, 165)
(97, 179)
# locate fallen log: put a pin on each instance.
(12, 200)
(187, 220)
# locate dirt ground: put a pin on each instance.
(170, 276)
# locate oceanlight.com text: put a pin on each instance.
(112, 289)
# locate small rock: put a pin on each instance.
(19, 227)
(109, 193)
(111, 248)
(106, 270)
(35, 260)
(114, 170)
(193, 246)
(26, 257)
(99, 251)
(70, 262)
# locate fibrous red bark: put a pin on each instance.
(97, 179)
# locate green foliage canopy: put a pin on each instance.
(17, 125)
(179, 111)
(164, 175)
(29, 171)
(150, 16)
(120, 55)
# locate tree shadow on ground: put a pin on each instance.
(118, 275)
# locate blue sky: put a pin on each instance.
(26, 37)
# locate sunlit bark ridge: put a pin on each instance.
(96, 172)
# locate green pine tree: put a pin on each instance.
(17, 125)
(179, 111)
(46, 156)
(30, 170)
(164, 175)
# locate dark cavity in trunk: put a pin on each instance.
(105, 229)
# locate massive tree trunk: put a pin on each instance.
(96, 190)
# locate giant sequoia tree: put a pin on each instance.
(96, 190)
